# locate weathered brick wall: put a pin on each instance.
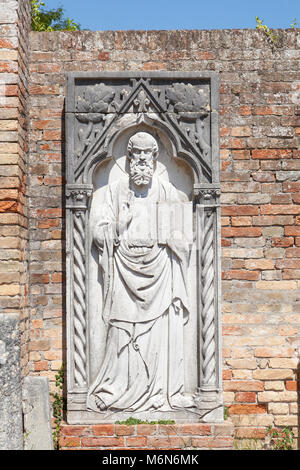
(148, 436)
(14, 43)
(259, 129)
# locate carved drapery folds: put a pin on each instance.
(183, 107)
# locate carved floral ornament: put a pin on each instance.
(183, 106)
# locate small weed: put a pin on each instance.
(294, 23)
(58, 406)
(280, 439)
(132, 421)
(268, 32)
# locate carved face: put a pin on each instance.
(142, 150)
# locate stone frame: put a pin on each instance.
(206, 195)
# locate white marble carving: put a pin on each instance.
(145, 290)
(143, 251)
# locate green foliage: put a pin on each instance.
(226, 412)
(294, 23)
(281, 439)
(58, 405)
(269, 33)
(132, 421)
(50, 20)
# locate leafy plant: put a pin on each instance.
(132, 421)
(58, 405)
(50, 20)
(269, 33)
(294, 23)
(282, 439)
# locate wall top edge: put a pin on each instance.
(126, 31)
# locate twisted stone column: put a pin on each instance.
(77, 201)
(208, 397)
(208, 362)
(79, 299)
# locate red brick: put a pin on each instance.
(195, 429)
(8, 67)
(69, 442)
(103, 56)
(245, 397)
(40, 345)
(241, 154)
(288, 264)
(232, 330)
(52, 135)
(103, 430)
(8, 206)
(241, 274)
(283, 241)
(48, 213)
(11, 90)
(124, 430)
(266, 154)
(293, 253)
(212, 443)
(165, 442)
(75, 430)
(39, 278)
(292, 231)
(48, 223)
(102, 441)
(291, 186)
(292, 385)
(146, 429)
(154, 66)
(245, 110)
(247, 409)
(280, 209)
(240, 210)
(241, 232)
(41, 365)
(56, 277)
(136, 441)
(250, 433)
(226, 374)
(281, 199)
(43, 90)
(6, 44)
(243, 386)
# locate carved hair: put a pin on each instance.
(138, 139)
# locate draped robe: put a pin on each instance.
(145, 303)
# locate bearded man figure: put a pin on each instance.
(145, 300)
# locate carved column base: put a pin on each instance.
(211, 405)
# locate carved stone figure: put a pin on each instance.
(143, 251)
(145, 298)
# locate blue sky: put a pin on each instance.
(178, 14)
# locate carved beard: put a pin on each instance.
(141, 173)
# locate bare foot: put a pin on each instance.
(182, 401)
(100, 404)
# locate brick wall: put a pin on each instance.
(259, 130)
(14, 43)
(148, 436)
